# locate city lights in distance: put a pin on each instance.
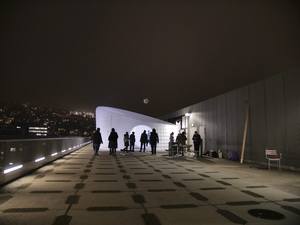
(38, 131)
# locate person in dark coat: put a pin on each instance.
(126, 141)
(181, 138)
(197, 141)
(97, 141)
(113, 142)
(132, 141)
(153, 141)
(143, 140)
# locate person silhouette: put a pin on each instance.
(197, 141)
(153, 141)
(132, 141)
(97, 141)
(113, 142)
(143, 140)
(126, 141)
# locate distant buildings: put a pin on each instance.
(38, 131)
(27, 120)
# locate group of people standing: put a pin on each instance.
(129, 140)
(145, 139)
(181, 140)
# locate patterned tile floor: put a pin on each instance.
(154, 190)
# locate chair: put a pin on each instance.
(271, 155)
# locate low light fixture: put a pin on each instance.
(39, 159)
(187, 114)
(12, 169)
(54, 154)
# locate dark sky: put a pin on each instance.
(82, 54)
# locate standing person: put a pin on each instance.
(197, 141)
(126, 141)
(153, 141)
(143, 140)
(132, 141)
(177, 142)
(113, 141)
(97, 141)
(182, 141)
(171, 141)
(182, 138)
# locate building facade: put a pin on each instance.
(273, 121)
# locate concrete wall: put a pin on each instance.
(24, 155)
(274, 119)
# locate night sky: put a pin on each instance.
(78, 55)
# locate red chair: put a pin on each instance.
(271, 155)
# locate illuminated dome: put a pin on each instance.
(125, 121)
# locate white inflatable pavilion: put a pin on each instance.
(125, 121)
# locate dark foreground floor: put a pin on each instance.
(137, 189)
